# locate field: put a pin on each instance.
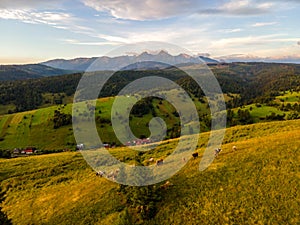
(256, 184)
(35, 128)
(288, 96)
(260, 112)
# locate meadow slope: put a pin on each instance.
(257, 184)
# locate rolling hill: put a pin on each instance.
(50, 128)
(256, 184)
(37, 127)
(248, 83)
(29, 71)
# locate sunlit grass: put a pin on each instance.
(256, 184)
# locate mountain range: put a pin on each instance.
(143, 61)
(121, 62)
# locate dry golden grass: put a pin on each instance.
(256, 184)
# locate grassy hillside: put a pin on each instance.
(289, 97)
(36, 127)
(257, 184)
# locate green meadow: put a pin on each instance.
(36, 127)
(288, 96)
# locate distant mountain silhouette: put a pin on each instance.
(120, 62)
(29, 71)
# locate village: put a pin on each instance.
(135, 142)
(18, 152)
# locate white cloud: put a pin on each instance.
(143, 10)
(28, 16)
(228, 31)
(160, 9)
(264, 24)
(78, 42)
(246, 7)
(114, 39)
(241, 8)
(251, 40)
(172, 34)
(30, 4)
(59, 20)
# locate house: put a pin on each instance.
(16, 151)
(29, 151)
(80, 147)
(106, 145)
(139, 142)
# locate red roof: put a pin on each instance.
(28, 150)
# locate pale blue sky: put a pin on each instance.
(35, 31)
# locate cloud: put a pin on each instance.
(251, 40)
(263, 24)
(228, 31)
(29, 4)
(78, 42)
(143, 10)
(161, 9)
(41, 12)
(240, 8)
(28, 16)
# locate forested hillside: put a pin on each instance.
(247, 82)
(29, 71)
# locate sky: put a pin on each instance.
(35, 31)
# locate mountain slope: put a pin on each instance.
(78, 64)
(22, 72)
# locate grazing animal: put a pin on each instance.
(195, 155)
(113, 174)
(100, 173)
(166, 185)
(217, 151)
(151, 160)
(234, 148)
(110, 175)
(159, 162)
